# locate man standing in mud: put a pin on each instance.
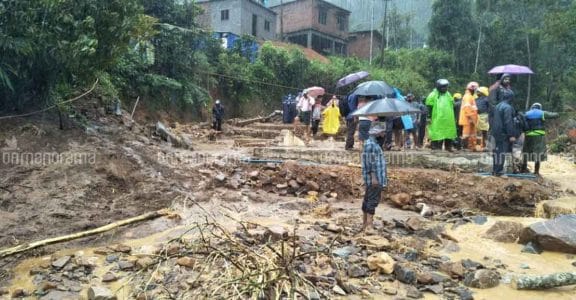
(217, 116)
(374, 175)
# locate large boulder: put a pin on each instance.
(555, 235)
(504, 231)
(553, 208)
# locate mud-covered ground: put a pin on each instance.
(115, 170)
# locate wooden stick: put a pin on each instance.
(134, 109)
(544, 281)
(25, 247)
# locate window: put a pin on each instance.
(224, 15)
(341, 20)
(322, 16)
(267, 25)
(254, 25)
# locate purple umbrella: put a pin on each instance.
(510, 69)
(351, 78)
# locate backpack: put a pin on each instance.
(344, 108)
(520, 124)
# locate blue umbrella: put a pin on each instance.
(351, 78)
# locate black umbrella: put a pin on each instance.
(374, 87)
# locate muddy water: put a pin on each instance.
(560, 171)
(475, 247)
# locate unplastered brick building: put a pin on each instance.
(315, 24)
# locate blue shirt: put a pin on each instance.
(373, 162)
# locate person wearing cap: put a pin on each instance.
(374, 175)
(484, 108)
(217, 115)
(468, 117)
(534, 148)
(442, 129)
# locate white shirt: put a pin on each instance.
(305, 104)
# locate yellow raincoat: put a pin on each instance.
(331, 123)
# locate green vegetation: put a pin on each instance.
(53, 49)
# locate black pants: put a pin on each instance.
(217, 124)
(421, 133)
(501, 149)
(371, 199)
(388, 140)
(315, 125)
(458, 141)
(437, 145)
(351, 125)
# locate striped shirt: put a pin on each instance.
(373, 162)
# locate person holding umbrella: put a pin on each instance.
(502, 126)
(442, 129)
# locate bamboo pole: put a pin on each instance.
(25, 247)
(544, 281)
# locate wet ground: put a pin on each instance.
(132, 172)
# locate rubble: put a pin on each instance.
(553, 235)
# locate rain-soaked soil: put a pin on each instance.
(120, 170)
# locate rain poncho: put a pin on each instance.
(469, 118)
(442, 121)
(331, 123)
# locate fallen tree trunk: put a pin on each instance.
(257, 119)
(542, 282)
(65, 238)
(167, 135)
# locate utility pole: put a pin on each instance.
(384, 31)
(281, 20)
(372, 32)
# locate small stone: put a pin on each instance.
(471, 265)
(112, 258)
(254, 174)
(61, 262)
(504, 231)
(404, 274)
(144, 262)
(532, 248)
(100, 293)
(438, 277)
(390, 291)
(338, 290)
(4, 291)
(524, 266)
(374, 242)
(424, 277)
(382, 262)
(411, 255)
(574, 263)
(186, 262)
(480, 220)
(276, 232)
(312, 186)
(454, 269)
(109, 277)
(293, 184)
(418, 194)
(355, 271)
(59, 295)
(464, 293)
(19, 293)
(48, 285)
(125, 265)
(413, 292)
(439, 198)
(436, 288)
(482, 279)
(121, 248)
(281, 186)
(345, 252)
(414, 223)
(173, 249)
(89, 262)
(220, 178)
(334, 228)
(400, 199)
(103, 251)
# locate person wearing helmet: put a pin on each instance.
(484, 107)
(442, 129)
(534, 148)
(457, 106)
(217, 115)
(468, 117)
